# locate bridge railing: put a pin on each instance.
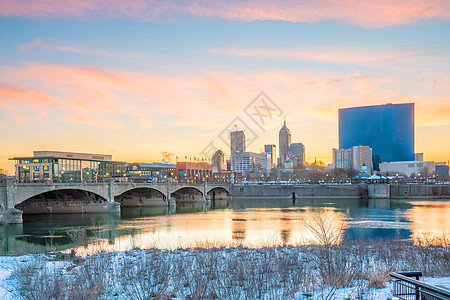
(407, 288)
(125, 180)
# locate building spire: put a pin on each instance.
(284, 120)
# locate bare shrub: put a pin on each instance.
(377, 278)
(145, 277)
(36, 282)
(77, 236)
(305, 272)
(135, 240)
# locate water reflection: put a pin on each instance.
(249, 222)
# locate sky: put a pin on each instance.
(137, 78)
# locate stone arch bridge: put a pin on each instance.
(13, 194)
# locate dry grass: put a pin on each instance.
(316, 270)
(229, 273)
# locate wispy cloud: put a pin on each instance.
(52, 46)
(28, 96)
(372, 14)
(331, 54)
(85, 93)
(27, 106)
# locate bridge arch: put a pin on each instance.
(65, 200)
(188, 194)
(218, 193)
(141, 196)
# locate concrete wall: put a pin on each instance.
(374, 191)
(301, 191)
(2, 195)
(379, 191)
(405, 191)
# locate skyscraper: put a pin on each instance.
(272, 150)
(297, 154)
(387, 129)
(354, 158)
(342, 158)
(284, 138)
(218, 161)
(243, 162)
(362, 156)
(237, 141)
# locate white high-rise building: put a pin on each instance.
(353, 158)
(243, 162)
(362, 156)
(342, 158)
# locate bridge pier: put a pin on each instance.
(206, 197)
(112, 205)
(8, 214)
(170, 200)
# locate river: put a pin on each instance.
(246, 222)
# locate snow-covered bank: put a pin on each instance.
(345, 271)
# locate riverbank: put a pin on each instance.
(350, 270)
(342, 191)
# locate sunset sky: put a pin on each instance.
(135, 78)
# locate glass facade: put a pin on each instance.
(387, 129)
(67, 170)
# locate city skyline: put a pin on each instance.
(137, 79)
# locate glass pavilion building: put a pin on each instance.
(67, 167)
(387, 129)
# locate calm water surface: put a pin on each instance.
(249, 222)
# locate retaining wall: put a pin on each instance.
(373, 191)
(434, 191)
(301, 191)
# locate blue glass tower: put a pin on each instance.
(388, 129)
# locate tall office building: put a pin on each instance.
(353, 158)
(297, 154)
(284, 138)
(387, 129)
(218, 161)
(237, 141)
(342, 158)
(272, 150)
(362, 156)
(243, 162)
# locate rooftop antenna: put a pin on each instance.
(284, 120)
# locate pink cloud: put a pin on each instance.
(85, 91)
(361, 13)
(324, 54)
(194, 109)
(45, 44)
(28, 96)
